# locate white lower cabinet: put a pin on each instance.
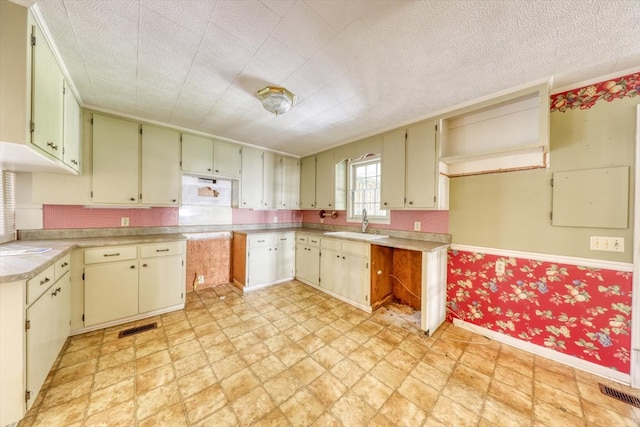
(263, 259)
(121, 282)
(344, 270)
(308, 259)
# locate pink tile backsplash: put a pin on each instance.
(432, 221)
(72, 216)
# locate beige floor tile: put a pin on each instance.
(205, 403)
(267, 368)
(464, 394)
(602, 416)
(240, 384)
(327, 420)
(373, 392)
(516, 361)
(389, 374)
(157, 399)
(327, 388)
(191, 363)
(402, 411)
(514, 379)
(352, 410)
(111, 396)
(245, 340)
(154, 378)
(550, 415)
(152, 361)
(113, 375)
(184, 349)
(118, 415)
(418, 393)
(592, 393)
(180, 337)
(222, 418)
(216, 352)
(173, 416)
(471, 378)
(307, 370)
(196, 381)
(302, 409)
(381, 421)
(556, 380)
(311, 343)
(74, 372)
(439, 360)
(511, 397)
(253, 406)
(274, 418)
(228, 366)
(348, 372)
(63, 414)
(450, 413)
(328, 334)
(117, 358)
(291, 354)
(497, 414)
(282, 386)
(67, 392)
(478, 363)
(430, 376)
(364, 358)
(327, 357)
(82, 355)
(553, 396)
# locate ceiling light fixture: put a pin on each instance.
(277, 100)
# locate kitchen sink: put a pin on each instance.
(30, 251)
(355, 235)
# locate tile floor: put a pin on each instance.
(291, 355)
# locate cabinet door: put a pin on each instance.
(161, 283)
(392, 170)
(285, 256)
(63, 310)
(46, 98)
(261, 266)
(289, 185)
(325, 187)
(41, 342)
(270, 193)
(110, 291)
(308, 183)
(115, 161)
(197, 154)
(71, 154)
(330, 270)
(251, 178)
(226, 159)
(421, 166)
(356, 281)
(161, 182)
(308, 263)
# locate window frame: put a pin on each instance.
(352, 216)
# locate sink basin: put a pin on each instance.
(30, 251)
(355, 235)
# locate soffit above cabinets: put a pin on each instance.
(357, 67)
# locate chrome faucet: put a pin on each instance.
(365, 221)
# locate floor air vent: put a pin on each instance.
(616, 394)
(137, 330)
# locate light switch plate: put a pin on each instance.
(124, 221)
(417, 225)
(500, 267)
(610, 244)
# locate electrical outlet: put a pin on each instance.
(611, 244)
(124, 221)
(500, 268)
(417, 225)
(275, 219)
(201, 279)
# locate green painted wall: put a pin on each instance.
(511, 210)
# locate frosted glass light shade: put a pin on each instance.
(277, 100)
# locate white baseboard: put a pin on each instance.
(565, 359)
(362, 307)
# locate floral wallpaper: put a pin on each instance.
(586, 97)
(580, 311)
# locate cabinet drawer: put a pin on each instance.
(283, 239)
(261, 241)
(354, 248)
(333, 244)
(302, 239)
(160, 249)
(37, 285)
(313, 241)
(62, 266)
(110, 254)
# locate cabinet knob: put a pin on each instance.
(337, 256)
(173, 200)
(132, 199)
(410, 203)
(144, 265)
(133, 266)
(344, 258)
(385, 203)
(208, 169)
(217, 171)
(64, 264)
(45, 280)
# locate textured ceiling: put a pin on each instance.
(358, 67)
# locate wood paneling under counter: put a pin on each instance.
(389, 267)
(210, 258)
(239, 258)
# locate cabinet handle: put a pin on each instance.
(52, 145)
(275, 249)
(64, 264)
(116, 254)
(132, 199)
(74, 161)
(46, 280)
(144, 265)
(162, 250)
(260, 241)
(54, 293)
(133, 266)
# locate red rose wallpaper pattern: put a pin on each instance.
(580, 311)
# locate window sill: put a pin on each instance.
(371, 220)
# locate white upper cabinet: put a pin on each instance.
(205, 156)
(115, 161)
(308, 182)
(393, 170)
(197, 154)
(226, 159)
(287, 183)
(46, 98)
(269, 169)
(72, 146)
(325, 181)
(410, 174)
(251, 182)
(160, 178)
